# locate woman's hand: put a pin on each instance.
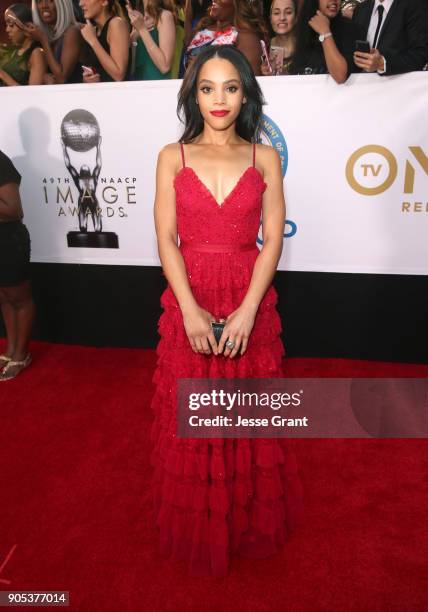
(91, 77)
(89, 33)
(136, 18)
(197, 324)
(36, 33)
(320, 23)
(49, 79)
(348, 11)
(265, 70)
(238, 329)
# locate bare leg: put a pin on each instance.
(9, 323)
(20, 303)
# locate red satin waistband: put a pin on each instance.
(218, 248)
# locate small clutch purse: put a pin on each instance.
(218, 330)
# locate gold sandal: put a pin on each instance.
(11, 364)
(4, 360)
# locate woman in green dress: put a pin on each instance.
(25, 64)
(155, 47)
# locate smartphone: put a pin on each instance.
(276, 57)
(265, 55)
(89, 69)
(362, 45)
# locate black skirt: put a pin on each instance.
(14, 253)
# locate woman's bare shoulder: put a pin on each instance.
(117, 24)
(38, 54)
(166, 17)
(266, 157)
(266, 153)
(170, 156)
(170, 149)
(248, 33)
(72, 32)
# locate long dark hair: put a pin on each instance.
(248, 122)
(306, 37)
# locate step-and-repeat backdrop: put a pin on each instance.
(354, 161)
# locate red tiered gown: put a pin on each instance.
(216, 497)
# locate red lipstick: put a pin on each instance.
(219, 113)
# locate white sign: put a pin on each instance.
(355, 163)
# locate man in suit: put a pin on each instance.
(397, 31)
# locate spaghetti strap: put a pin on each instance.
(254, 154)
(182, 154)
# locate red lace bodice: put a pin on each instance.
(200, 218)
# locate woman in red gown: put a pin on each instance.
(217, 497)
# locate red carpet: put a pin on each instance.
(75, 510)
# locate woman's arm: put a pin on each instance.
(163, 54)
(115, 63)
(62, 69)
(166, 229)
(249, 44)
(69, 55)
(10, 202)
(196, 320)
(8, 80)
(38, 67)
(337, 65)
(273, 222)
(240, 322)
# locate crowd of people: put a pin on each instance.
(91, 41)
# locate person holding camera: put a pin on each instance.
(283, 19)
(397, 35)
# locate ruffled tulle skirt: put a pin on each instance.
(213, 498)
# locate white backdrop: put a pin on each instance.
(354, 159)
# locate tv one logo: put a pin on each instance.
(371, 170)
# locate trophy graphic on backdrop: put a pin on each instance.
(80, 132)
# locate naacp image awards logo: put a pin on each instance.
(80, 133)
